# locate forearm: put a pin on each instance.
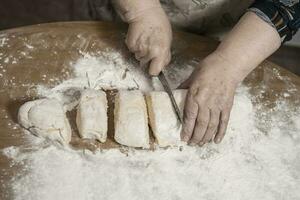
(130, 9)
(250, 42)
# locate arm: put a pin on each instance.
(213, 83)
(149, 33)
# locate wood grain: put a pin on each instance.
(57, 45)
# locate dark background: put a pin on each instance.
(16, 13)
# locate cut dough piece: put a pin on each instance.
(131, 120)
(46, 118)
(163, 120)
(91, 116)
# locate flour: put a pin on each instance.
(249, 164)
(109, 71)
(252, 162)
(103, 72)
(3, 40)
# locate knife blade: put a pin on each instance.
(166, 86)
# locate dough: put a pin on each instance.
(163, 120)
(131, 120)
(91, 116)
(46, 118)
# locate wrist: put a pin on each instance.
(246, 46)
(129, 10)
(228, 69)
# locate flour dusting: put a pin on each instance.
(251, 162)
(109, 71)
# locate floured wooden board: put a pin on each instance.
(44, 54)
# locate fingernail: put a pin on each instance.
(192, 144)
(218, 140)
(201, 144)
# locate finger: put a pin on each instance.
(224, 119)
(201, 126)
(131, 40)
(189, 119)
(144, 60)
(212, 126)
(141, 54)
(156, 65)
(142, 47)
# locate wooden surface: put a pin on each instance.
(287, 57)
(56, 46)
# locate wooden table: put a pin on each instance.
(27, 53)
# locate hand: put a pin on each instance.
(210, 97)
(149, 38)
(213, 84)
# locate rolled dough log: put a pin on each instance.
(91, 116)
(131, 120)
(163, 120)
(46, 118)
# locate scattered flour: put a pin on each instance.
(3, 40)
(109, 71)
(251, 163)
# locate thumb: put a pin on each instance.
(156, 66)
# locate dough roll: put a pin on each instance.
(131, 120)
(91, 115)
(46, 118)
(163, 120)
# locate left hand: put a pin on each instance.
(210, 97)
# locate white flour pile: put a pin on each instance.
(249, 164)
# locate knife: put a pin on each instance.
(167, 88)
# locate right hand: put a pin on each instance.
(149, 37)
